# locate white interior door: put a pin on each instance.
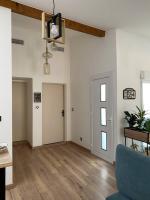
(53, 119)
(102, 118)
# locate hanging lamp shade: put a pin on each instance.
(53, 28)
(46, 68)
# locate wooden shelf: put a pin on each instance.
(134, 134)
(137, 135)
(5, 160)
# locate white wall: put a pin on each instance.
(125, 54)
(89, 56)
(28, 63)
(6, 83)
(132, 57)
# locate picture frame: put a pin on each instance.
(129, 94)
(37, 97)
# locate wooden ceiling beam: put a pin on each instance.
(76, 26)
(36, 14)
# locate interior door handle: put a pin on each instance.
(63, 113)
(109, 120)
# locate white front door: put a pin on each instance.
(102, 122)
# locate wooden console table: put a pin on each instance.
(5, 161)
(137, 135)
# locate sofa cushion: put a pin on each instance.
(133, 174)
(117, 196)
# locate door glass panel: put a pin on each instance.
(103, 116)
(103, 92)
(104, 141)
(146, 97)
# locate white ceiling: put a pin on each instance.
(131, 15)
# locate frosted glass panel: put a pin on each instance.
(103, 92)
(146, 97)
(104, 141)
(103, 116)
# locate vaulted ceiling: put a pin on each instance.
(131, 15)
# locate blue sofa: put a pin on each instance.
(132, 174)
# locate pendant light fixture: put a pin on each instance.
(53, 27)
(53, 31)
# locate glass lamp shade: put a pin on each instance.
(46, 68)
(54, 30)
(54, 27)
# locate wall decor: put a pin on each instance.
(37, 97)
(129, 93)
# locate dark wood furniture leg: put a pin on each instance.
(2, 184)
(125, 141)
(147, 149)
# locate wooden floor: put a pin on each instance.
(60, 172)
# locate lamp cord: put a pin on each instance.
(46, 58)
(53, 7)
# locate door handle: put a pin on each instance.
(109, 120)
(63, 113)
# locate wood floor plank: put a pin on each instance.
(61, 172)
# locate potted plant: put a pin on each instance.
(130, 118)
(141, 131)
(140, 118)
(147, 125)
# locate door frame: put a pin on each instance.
(110, 75)
(65, 109)
(27, 80)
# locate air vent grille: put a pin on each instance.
(17, 41)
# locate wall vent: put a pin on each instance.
(17, 41)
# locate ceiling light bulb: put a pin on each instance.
(54, 29)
